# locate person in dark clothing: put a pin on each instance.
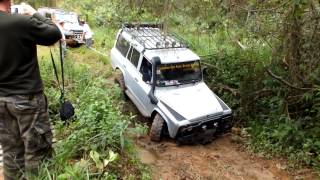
(25, 134)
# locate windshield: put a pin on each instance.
(69, 18)
(178, 73)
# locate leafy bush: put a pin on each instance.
(93, 145)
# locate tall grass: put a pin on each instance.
(93, 145)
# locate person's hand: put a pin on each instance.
(27, 9)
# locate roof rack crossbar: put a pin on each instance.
(147, 38)
(151, 37)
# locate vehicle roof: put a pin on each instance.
(152, 41)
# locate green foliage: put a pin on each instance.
(93, 145)
(112, 13)
(286, 137)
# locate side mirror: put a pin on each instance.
(205, 72)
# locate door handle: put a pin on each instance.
(124, 66)
(136, 79)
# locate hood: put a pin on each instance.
(190, 101)
(72, 27)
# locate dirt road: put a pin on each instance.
(225, 158)
(222, 159)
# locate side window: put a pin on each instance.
(134, 56)
(123, 46)
(146, 70)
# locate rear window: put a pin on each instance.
(123, 46)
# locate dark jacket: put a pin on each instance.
(19, 36)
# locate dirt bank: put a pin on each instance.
(222, 159)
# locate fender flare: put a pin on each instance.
(155, 111)
(120, 69)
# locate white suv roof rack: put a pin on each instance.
(152, 36)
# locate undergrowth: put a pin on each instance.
(94, 144)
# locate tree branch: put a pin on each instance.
(263, 10)
(233, 91)
(140, 7)
(280, 79)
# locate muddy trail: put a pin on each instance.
(225, 158)
(221, 159)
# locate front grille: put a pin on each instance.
(78, 35)
(221, 124)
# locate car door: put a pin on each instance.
(138, 87)
(119, 57)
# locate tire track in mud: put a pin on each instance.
(225, 158)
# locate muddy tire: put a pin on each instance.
(156, 130)
(120, 81)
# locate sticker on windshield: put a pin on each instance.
(180, 66)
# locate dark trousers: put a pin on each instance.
(25, 134)
(88, 42)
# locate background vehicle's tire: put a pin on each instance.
(120, 81)
(156, 130)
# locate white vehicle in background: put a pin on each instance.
(163, 78)
(16, 9)
(73, 31)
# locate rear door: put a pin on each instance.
(119, 56)
(138, 87)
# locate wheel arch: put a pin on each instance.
(166, 120)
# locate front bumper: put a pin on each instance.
(203, 132)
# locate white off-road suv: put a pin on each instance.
(163, 78)
(72, 29)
